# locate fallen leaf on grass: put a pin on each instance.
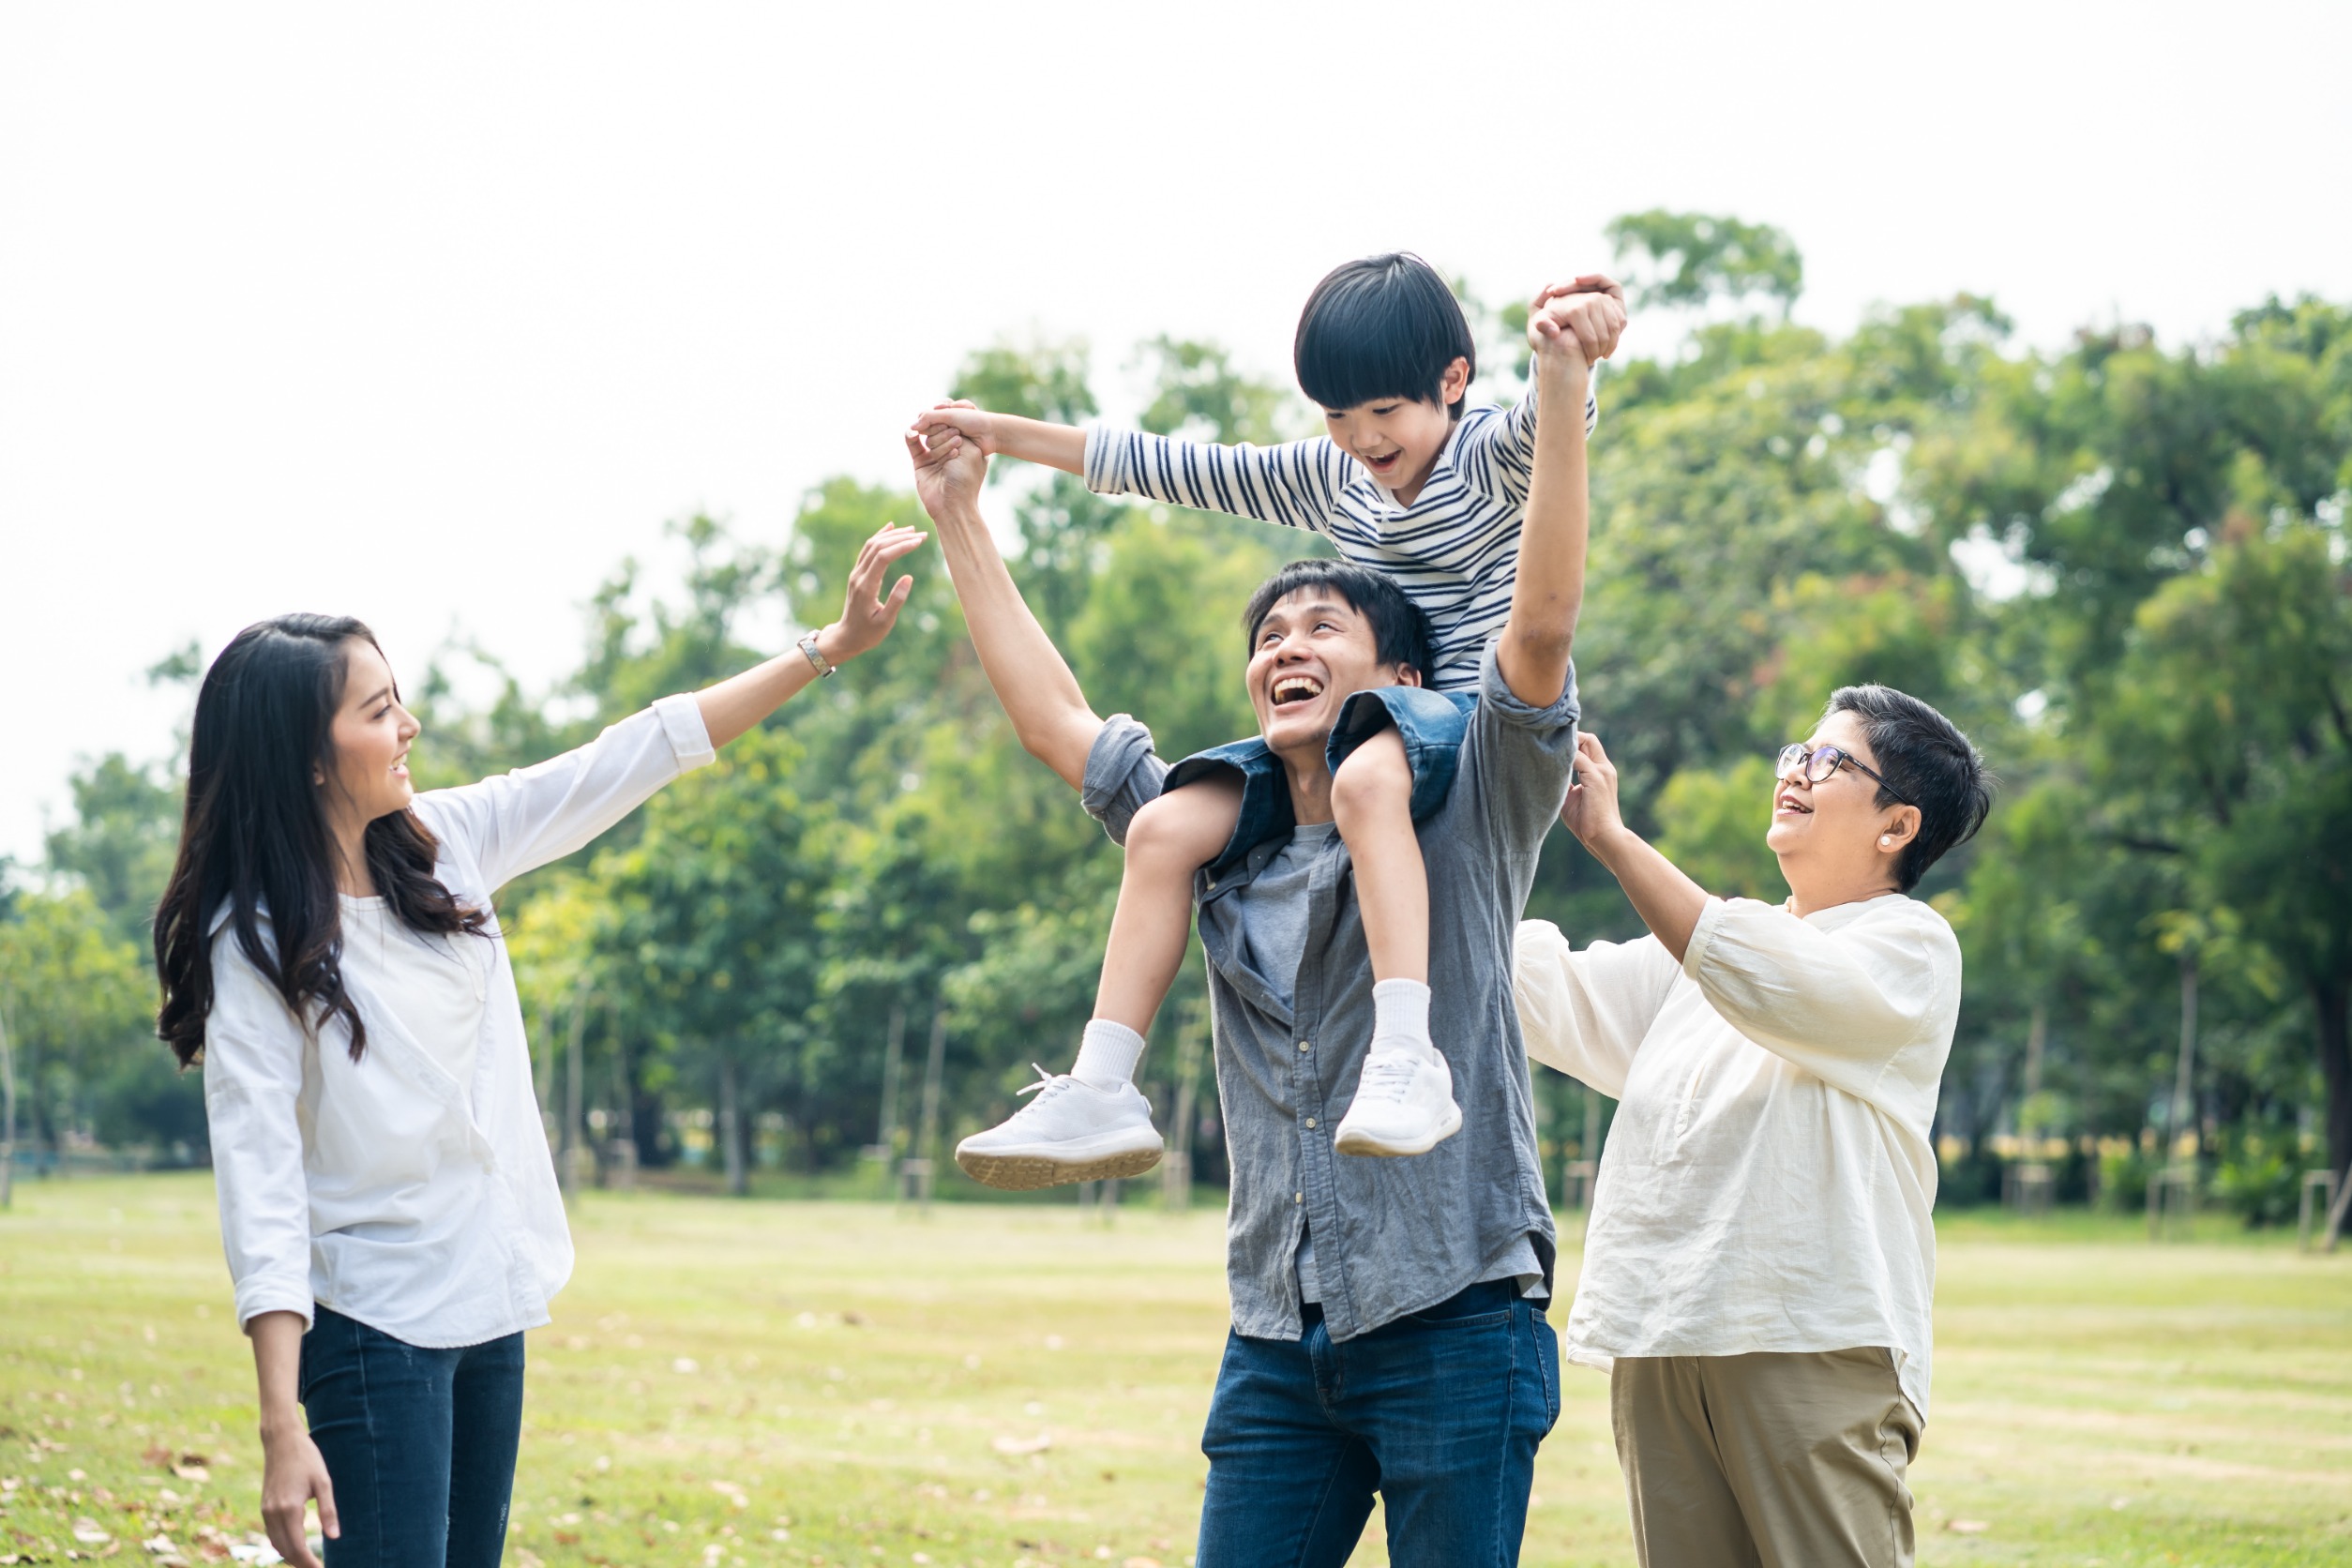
(1968, 1526)
(1013, 1447)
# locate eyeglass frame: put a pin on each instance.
(1805, 754)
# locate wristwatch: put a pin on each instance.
(816, 660)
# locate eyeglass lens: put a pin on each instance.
(1818, 763)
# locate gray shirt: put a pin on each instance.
(1392, 1237)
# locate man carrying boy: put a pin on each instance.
(1407, 1354)
(1430, 493)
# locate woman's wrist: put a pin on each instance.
(1609, 845)
(279, 1425)
(834, 644)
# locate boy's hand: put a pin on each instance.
(949, 468)
(1591, 309)
(977, 426)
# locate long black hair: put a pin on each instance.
(254, 835)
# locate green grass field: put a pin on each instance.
(837, 1383)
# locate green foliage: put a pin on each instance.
(1711, 825)
(2121, 567)
(1691, 258)
(120, 844)
(78, 1003)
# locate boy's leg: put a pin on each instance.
(1404, 1101)
(1170, 839)
(1089, 1123)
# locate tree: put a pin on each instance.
(1692, 258)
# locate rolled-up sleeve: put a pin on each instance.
(1841, 1004)
(524, 818)
(1586, 1014)
(1123, 774)
(1518, 757)
(252, 1080)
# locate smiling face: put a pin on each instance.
(1314, 651)
(1398, 438)
(1834, 839)
(372, 734)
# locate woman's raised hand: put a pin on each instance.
(1592, 812)
(869, 615)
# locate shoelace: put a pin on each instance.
(1387, 1076)
(1046, 1087)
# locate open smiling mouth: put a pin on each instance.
(1296, 688)
(1790, 803)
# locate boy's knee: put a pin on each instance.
(1375, 776)
(1187, 825)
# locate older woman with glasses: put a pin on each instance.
(1760, 1261)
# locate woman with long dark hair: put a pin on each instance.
(328, 951)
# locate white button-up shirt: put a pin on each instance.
(1769, 1178)
(383, 1188)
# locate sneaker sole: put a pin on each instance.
(1353, 1141)
(1028, 1172)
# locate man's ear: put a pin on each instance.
(1408, 675)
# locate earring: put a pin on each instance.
(1886, 840)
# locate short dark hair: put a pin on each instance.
(1928, 764)
(1385, 326)
(1400, 628)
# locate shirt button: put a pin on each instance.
(1310, 1123)
(1302, 1046)
(1298, 1197)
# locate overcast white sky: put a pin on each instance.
(429, 314)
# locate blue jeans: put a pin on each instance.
(420, 1443)
(1430, 723)
(1439, 1413)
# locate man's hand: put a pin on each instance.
(1592, 812)
(961, 417)
(949, 467)
(1591, 309)
(867, 615)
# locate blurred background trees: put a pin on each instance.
(2121, 567)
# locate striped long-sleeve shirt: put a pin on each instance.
(1455, 551)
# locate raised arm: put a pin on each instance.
(1032, 680)
(1006, 435)
(1533, 650)
(732, 706)
(1296, 484)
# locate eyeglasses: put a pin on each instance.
(1819, 761)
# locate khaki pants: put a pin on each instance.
(1765, 1460)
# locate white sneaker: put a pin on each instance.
(1404, 1105)
(1071, 1132)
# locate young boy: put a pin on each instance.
(1410, 483)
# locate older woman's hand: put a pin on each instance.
(1592, 812)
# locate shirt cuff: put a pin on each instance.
(1496, 693)
(682, 722)
(270, 1293)
(1121, 747)
(1703, 937)
(1100, 445)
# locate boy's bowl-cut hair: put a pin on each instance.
(1400, 628)
(1385, 326)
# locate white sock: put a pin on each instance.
(1108, 1054)
(1400, 1016)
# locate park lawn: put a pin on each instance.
(841, 1383)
